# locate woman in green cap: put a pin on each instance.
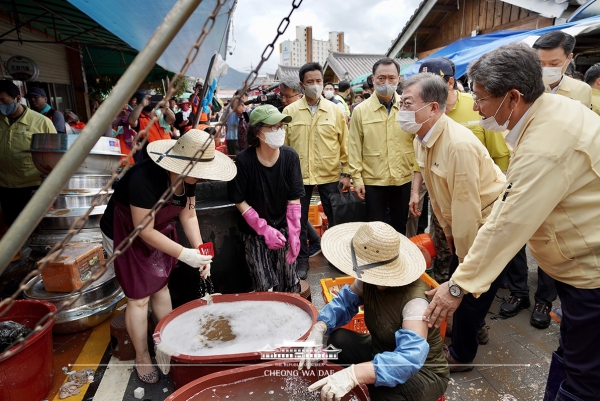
(267, 191)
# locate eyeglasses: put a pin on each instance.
(273, 128)
(280, 96)
(407, 104)
(476, 100)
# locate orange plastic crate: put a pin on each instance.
(358, 321)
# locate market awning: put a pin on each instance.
(464, 51)
(134, 22)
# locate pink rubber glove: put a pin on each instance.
(273, 238)
(293, 222)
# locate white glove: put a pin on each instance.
(205, 271)
(337, 385)
(192, 257)
(316, 334)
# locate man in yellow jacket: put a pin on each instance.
(592, 78)
(319, 134)
(550, 200)
(463, 183)
(18, 176)
(459, 107)
(555, 50)
(381, 155)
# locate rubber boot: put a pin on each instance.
(556, 376)
(564, 395)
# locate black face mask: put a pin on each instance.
(367, 95)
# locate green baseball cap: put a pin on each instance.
(268, 114)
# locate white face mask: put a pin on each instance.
(491, 124)
(328, 94)
(275, 139)
(406, 119)
(313, 91)
(551, 75)
(385, 90)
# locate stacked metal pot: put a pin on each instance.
(77, 195)
(100, 299)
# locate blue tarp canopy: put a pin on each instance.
(464, 51)
(134, 22)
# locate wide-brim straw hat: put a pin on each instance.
(175, 155)
(383, 256)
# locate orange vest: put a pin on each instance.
(156, 132)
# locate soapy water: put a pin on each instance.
(265, 388)
(235, 327)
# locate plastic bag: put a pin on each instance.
(10, 332)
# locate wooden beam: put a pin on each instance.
(443, 9)
(427, 30)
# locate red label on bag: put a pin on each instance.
(207, 249)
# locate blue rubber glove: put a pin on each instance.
(341, 309)
(393, 368)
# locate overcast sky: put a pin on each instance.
(369, 26)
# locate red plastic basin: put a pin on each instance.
(186, 368)
(260, 379)
(27, 374)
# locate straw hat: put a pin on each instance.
(175, 155)
(382, 256)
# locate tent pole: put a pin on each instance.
(43, 198)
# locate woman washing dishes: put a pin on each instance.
(267, 191)
(401, 359)
(143, 269)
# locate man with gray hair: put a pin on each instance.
(463, 183)
(550, 201)
(289, 90)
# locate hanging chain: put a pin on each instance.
(137, 144)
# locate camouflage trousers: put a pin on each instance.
(439, 266)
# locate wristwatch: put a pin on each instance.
(454, 289)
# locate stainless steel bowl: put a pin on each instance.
(44, 240)
(76, 201)
(94, 306)
(93, 164)
(62, 143)
(88, 316)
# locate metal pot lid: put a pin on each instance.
(84, 311)
(38, 291)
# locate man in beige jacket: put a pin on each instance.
(380, 154)
(592, 78)
(555, 50)
(463, 182)
(550, 201)
(319, 134)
